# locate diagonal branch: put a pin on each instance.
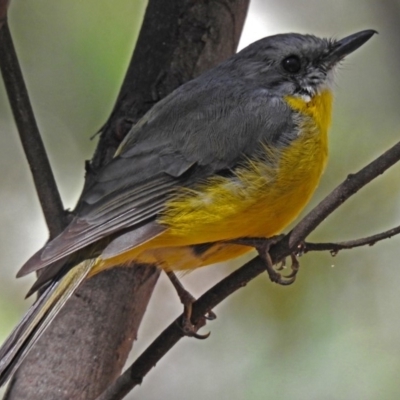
(39, 164)
(239, 278)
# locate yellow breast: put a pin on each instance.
(264, 198)
(260, 201)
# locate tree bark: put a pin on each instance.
(86, 346)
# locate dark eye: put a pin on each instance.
(291, 64)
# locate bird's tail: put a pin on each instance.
(38, 318)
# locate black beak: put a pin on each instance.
(344, 47)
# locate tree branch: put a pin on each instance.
(334, 248)
(45, 184)
(286, 246)
(3, 11)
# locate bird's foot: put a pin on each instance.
(185, 323)
(263, 245)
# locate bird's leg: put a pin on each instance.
(274, 275)
(263, 245)
(187, 300)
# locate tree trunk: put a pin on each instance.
(87, 345)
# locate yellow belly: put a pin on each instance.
(260, 201)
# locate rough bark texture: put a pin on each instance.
(88, 343)
(3, 11)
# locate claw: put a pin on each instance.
(282, 266)
(294, 267)
(187, 300)
(201, 337)
(273, 273)
(262, 245)
(190, 330)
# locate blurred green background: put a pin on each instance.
(334, 334)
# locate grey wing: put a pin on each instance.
(201, 129)
(212, 124)
(113, 212)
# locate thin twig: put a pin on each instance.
(32, 143)
(334, 248)
(239, 278)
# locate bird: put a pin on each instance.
(231, 155)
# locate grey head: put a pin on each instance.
(293, 64)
